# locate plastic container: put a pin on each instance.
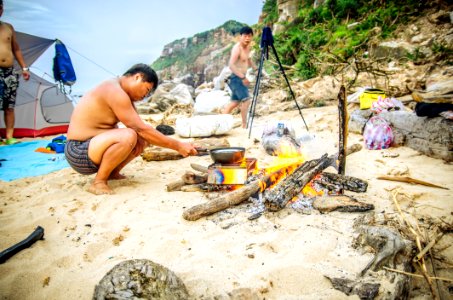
(369, 96)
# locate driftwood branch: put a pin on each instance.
(175, 185)
(421, 262)
(192, 178)
(343, 130)
(410, 180)
(233, 198)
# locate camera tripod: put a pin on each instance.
(267, 40)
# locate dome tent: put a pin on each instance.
(41, 107)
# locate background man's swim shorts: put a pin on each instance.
(76, 153)
(9, 81)
(240, 92)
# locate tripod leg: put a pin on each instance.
(255, 93)
(289, 86)
(257, 84)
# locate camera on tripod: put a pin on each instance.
(267, 41)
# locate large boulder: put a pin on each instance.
(140, 279)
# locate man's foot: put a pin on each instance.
(116, 176)
(100, 188)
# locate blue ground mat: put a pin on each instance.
(21, 160)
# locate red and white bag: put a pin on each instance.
(377, 134)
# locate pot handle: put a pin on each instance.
(202, 151)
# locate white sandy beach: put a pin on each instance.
(282, 255)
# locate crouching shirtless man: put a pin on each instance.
(96, 144)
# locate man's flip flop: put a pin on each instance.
(11, 141)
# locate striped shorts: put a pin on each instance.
(76, 153)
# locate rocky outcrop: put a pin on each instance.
(199, 58)
(287, 12)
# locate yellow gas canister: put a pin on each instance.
(369, 96)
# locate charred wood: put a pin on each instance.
(336, 182)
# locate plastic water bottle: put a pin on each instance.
(280, 129)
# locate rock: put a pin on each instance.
(182, 93)
(430, 136)
(140, 279)
(365, 290)
(318, 89)
(358, 119)
(392, 50)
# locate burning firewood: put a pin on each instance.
(305, 174)
(233, 198)
(277, 197)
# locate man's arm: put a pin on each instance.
(18, 55)
(125, 112)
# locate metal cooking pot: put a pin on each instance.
(229, 155)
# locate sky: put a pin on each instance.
(105, 37)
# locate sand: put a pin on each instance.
(282, 255)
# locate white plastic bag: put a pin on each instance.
(209, 101)
(204, 126)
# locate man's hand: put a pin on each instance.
(140, 146)
(186, 149)
(26, 74)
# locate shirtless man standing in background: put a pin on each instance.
(239, 62)
(9, 80)
(95, 142)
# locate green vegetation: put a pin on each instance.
(184, 56)
(320, 36)
(319, 41)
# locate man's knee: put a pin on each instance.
(130, 137)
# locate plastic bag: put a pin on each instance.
(204, 126)
(377, 134)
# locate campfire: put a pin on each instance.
(284, 180)
(288, 178)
